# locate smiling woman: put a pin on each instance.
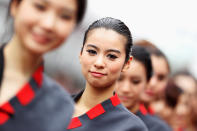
(104, 55)
(29, 100)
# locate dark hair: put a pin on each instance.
(172, 93)
(115, 25)
(153, 50)
(81, 7)
(140, 54)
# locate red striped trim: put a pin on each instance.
(4, 117)
(115, 100)
(8, 108)
(75, 122)
(143, 109)
(95, 111)
(38, 76)
(26, 95)
(151, 111)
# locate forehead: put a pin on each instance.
(159, 65)
(61, 4)
(187, 83)
(136, 69)
(106, 38)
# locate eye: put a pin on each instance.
(135, 82)
(111, 56)
(160, 77)
(66, 16)
(39, 6)
(91, 52)
(121, 78)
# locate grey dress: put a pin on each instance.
(40, 105)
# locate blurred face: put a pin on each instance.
(182, 111)
(158, 81)
(42, 25)
(187, 105)
(131, 84)
(103, 57)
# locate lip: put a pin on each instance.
(97, 74)
(41, 39)
(150, 93)
(124, 98)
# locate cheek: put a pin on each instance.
(139, 89)
(25, 15)
(85, 63)
(161, 86)
(116, 68)
(64, 29)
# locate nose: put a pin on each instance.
(152, 83)
(48, 21)
(125, 87)
(99, 63)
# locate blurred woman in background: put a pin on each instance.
(153, 96)
(29, 100)
(179, 108)
(132, 84)
(185, 112)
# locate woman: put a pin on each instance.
(133, 82)
(29, 100)
(153, 96)
(104, 55)
(184, 113)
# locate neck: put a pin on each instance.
(19, 59)
(146, 104)
(93, 96)
(134, 108)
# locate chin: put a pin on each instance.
(37, 49)
(99, 85)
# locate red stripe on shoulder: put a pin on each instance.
(3, 118)
(8, 108)
(75, 122)
(95, 111)
(143, 109)
(115, 100)
(26, 95)
(38, 76)
(151, 111)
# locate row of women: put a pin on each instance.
(115, 71)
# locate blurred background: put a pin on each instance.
(169, 24)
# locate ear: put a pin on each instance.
(127, 65)
(13, 7)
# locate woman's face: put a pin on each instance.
(131, 84)
(103, 57)
(42, 25)
(182, 111)
(187, 105)
(158, 81)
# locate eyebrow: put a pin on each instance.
(90, 45)
(109, 50)
(113, 50)
(64, 9)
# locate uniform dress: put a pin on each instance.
(110, 115)
(152, 122)
(40, 105)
